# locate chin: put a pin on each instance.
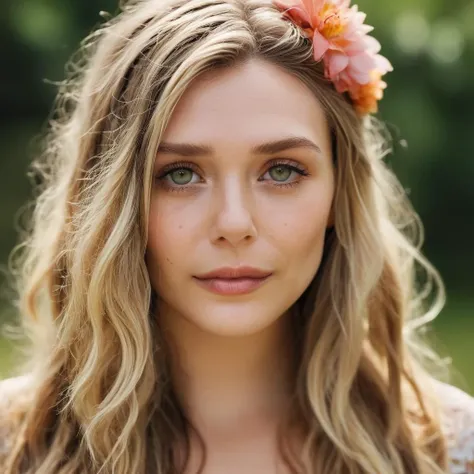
(233, 319)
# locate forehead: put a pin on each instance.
(246, 103)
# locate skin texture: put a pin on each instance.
(231, 363)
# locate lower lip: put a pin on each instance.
(235, 286)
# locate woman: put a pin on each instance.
(220, 274)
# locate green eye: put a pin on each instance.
(181, 176)
(280, 172)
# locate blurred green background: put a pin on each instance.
(428, 107)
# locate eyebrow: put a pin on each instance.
(275, 146)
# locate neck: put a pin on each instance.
(222, 382)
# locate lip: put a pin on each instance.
(233, 280)
(228, 273)
(231, 286)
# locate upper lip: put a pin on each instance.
(235, 272)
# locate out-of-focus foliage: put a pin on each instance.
(428, 107)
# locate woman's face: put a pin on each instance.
(220, 202)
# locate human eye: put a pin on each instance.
(282, 169)
(178, 176)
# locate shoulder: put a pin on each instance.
(457, 412)
(14, 394)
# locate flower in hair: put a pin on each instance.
(340, 39)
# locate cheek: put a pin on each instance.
(170, 228)
(175, 227)
(301, 247)
(165, 235)
(303, 233)
(300, 225)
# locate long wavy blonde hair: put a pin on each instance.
(100, 399)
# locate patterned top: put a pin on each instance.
(457, 420)
(458, 424)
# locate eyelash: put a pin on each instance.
(293, 166)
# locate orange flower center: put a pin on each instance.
(332, 24)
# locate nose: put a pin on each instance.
(233, 208)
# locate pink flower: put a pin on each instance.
(356, 63)
(340, 38)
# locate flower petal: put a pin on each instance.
(361, 77)
(363, 63)
(342, 3)
(371, 44)
(320, 45)
(295, 10)
(359, 17)
(366, 29)
(336, 63)
(313, 7)
(355, 47)
(288, 4)
(383, 64)
(344, 82)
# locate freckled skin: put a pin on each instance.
(231, 217)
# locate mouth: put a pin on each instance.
(232, 286)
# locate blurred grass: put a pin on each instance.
(454, 330)
(7, 357)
